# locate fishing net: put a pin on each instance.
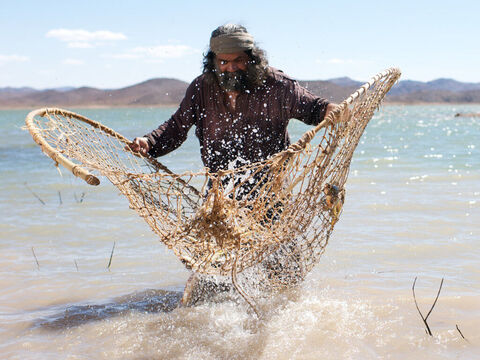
(277, 214)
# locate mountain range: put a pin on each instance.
(169, 92)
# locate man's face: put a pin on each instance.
(232, 70)
(232, 62)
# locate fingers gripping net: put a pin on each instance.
(277, 214)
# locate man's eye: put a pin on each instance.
(223, 62)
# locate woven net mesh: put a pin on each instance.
(277, 214)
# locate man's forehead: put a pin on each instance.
(232, 56)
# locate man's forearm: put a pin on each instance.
(330, 107)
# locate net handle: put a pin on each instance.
(76, 169)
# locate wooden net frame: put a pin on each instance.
(277, 214)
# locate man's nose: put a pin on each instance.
(232, 67)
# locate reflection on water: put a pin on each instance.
(148, 301)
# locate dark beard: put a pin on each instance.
(233, 81)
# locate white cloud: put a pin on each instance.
(79, 38)
(159, 52)
(165, 51)
(79, 45)
(73, 62)
(12, 58)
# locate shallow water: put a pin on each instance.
(412, 210)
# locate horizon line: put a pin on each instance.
(70, 87)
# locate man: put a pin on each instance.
(241, 108)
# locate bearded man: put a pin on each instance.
(241, 108)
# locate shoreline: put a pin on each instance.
(167, 106)
(32, 107)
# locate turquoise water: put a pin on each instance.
(412, 210)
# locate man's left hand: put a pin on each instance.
(330, 108)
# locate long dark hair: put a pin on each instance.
(257, 68)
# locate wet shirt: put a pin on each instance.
(255, 130)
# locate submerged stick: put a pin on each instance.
(458, 329)
(60, 197)
(36, 260)
(81, 197)
(75, 261)
(33, 193)
(111, 256)
(424, 319)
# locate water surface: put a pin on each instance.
(412, 210)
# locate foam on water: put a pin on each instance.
(323, 321)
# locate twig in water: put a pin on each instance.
(36, 260)
(429, 332)
(38, 197)
(76, 264)
(462, 334)
(79, 200)
(60, 197)
(111, 256)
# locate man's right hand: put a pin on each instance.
(140, 145)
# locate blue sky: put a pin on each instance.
(111, 44)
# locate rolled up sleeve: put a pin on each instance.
(173, 132)
(306, 106)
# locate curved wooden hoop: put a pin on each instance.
(76, 169)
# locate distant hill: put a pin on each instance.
(448, 85)
(437, 96)
(406, 91)
(169, 92)
(346, 82)
(11, 90)
(330, 90)
(155, 92)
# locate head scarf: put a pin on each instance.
(231, 43)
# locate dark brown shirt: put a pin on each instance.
(254, 131)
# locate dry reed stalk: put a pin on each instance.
(424, 318)
(461, 334)
(34, 194)
(80, 199)
(36, 260)
(111, 256)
